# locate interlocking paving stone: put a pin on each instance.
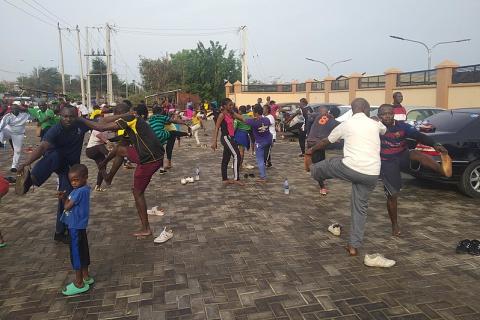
(241, 253)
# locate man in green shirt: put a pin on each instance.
(45, 117)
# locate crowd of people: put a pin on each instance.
(372, 149)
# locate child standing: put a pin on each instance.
(241, 136)
(75, 216)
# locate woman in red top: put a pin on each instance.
(224, 124)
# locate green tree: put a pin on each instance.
(202, 70)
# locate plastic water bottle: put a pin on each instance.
(286, 188)
(197, 174)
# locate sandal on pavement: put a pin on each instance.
(378, 260)
(164, 236)
(156, 212)
(323, 191)
(474, 248)
(71, 289)
(89, 281)
(463, 246)
(100, 189)
(24, 182)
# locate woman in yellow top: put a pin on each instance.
(197, 124)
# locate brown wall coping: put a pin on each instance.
(333, 91)
(460, 85)
(372, 89)
(415, 87)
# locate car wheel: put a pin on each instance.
(469, 182)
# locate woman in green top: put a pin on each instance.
(242, 137)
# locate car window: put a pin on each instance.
(450, 121)
(415, 115)
(472, 131)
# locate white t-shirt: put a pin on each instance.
(361, 150)
(95, 138)
(271, 128)
(83, 110)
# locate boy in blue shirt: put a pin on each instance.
(396, 157)
(75, 216)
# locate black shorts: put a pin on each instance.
(79, 253)
(391, 172)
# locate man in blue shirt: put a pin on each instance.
(60, 149)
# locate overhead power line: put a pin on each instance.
(166, 28)
(52, 14)
(41, 12)
(31, 15)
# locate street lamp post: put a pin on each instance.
(429, 49)
(329, 67)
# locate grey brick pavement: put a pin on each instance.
(242, 253)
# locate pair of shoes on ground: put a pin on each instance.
(71, 289)
(164, 236)
(155, 211)
(469, 246)
(247, 166)
(186, 180)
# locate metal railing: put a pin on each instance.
(417, 78)
(341, 84)
(267, 88)
(466, 74)
(318, 86)
(301, 87)
(372, 82)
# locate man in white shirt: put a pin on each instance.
(82, 110)
(12, 126)
(360, 164)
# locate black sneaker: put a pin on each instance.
(13, 170)
(162, 171)
(269, 165)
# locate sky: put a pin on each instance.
(281, 34)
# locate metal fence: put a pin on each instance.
(466, 74)
(301, 87)
(341, 84)
(318, 86)
(372, 82)
(417, 78)
(267, 88)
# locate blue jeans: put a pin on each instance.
(260, 150)
(52, 162)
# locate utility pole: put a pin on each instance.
(126, 81)
(243, 34)
(62, 70)
(87, 63)
(109, 65)
(82, 85)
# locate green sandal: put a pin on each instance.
(72, 289)
(89, 281)
(3, 245)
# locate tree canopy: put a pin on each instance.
(202, 70)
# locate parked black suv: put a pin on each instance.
(459, 131)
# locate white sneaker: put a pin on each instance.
(378, 260)
(183, 181)
(164, 236)
(248, 166)
(189, 179)
(156, 212)
(335, 229)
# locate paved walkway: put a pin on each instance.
(242, 253)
